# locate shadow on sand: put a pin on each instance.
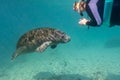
(113, 43)
(50, 76)
(113, 77)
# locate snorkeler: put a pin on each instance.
(94, 9)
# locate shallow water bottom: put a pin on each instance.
(91, 63)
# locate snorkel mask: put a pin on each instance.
(77, 6)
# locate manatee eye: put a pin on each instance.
(63, 36)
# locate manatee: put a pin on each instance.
(38, 40)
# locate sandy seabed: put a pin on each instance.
(92, 63)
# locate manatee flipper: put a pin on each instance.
(53, 46)
(43, 46)
(18, 52)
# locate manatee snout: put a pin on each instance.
(66, 38)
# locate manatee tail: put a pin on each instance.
(17, 52)
(14, 56)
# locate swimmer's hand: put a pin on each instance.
(83, 21)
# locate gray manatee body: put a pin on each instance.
(38, 40)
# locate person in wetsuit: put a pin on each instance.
(115, 14)
(94, 9)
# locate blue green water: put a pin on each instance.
(92, 54)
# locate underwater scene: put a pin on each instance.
(72, 52)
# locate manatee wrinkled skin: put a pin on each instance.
(39, 39)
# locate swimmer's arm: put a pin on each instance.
(97, 19)
(85, 21)
(91, 23)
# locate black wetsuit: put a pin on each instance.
(115, 15)
(95, 10)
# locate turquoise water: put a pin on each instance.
(92, 54)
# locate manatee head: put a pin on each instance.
(62, 37)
